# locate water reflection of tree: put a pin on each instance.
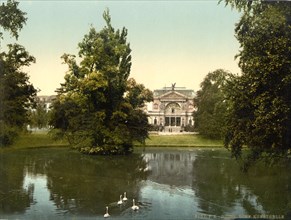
(271, 186)
(77, 183)
(13, 197)
(222, 188)
(85, 185)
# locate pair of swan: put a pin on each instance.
(133, 207)
(121, 200)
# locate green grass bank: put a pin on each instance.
(181, 140)
(35, 140)
(42, 140)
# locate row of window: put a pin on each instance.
(173, 121)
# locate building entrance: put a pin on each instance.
(172, 121)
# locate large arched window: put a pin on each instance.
(172, 107)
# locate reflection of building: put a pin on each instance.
(172, 168)
(172, 108)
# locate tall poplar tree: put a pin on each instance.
(98, 108)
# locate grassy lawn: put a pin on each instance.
(36, 140)
(39, 140)
(187, 140)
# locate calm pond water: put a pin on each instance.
(165, 183)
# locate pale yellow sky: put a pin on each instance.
(171, 41)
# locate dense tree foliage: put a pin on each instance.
(260, 116)
(98, 108)
(211, 105)
(16, 92)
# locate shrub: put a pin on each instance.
(7, 134)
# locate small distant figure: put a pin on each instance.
(173, 86)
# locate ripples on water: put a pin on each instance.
(166, 184)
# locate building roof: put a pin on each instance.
(46, 98)
(187, 92)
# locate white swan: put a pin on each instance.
(120, 200)
(106, 215)
(134, 207)
(124, 197)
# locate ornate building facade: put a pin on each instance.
(172, 109)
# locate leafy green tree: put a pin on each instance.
(136, 96)
(16, 92)
(261, 109)
(12, 18)
(39, 116)
(211, 105)
(98, 108)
